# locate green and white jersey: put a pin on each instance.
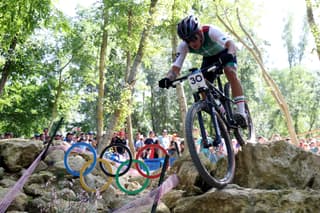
(214, 42)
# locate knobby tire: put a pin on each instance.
(207, 168)
(243, 135)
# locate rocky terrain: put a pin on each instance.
(271, 177)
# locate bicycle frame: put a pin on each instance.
(226, 102)
(213, 93)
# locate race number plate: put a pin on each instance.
(196, 81)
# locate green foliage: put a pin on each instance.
(24, 108)
(55, 72)
(20, 18)
(301, 88)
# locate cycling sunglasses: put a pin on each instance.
(191, 38)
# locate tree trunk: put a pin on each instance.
(57, 96)
(130, 136)
(131, 73)
(102, 59)
(275, 91)
(313, 26)
(137, 61)
(5, 73)
(112, 123)
(129, 120)
(179, 89)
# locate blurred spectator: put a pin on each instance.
(139, 143)
(37, 137)
(8, 135)
(45, 134)
(151, 138)
(173, 145)
(119, 139)
(69, 138)
(58, 136)
(305, 146)
(91, 137)
(42, 137)
(312, 146)
(301, 142)
(83, 140)
(262, 139)
(275, 137)
(181, 146)
(164, 140)
(288, 140)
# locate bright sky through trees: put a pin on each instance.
(271, 28)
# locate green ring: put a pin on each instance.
(134, 192)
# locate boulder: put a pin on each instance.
(17, 154)
(272, 177)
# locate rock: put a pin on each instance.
(171, 198)
(276, 177)
(161, 208)
(277, 165)
(7, 182)
(237, 199)
(1, 172)
(19, 203)
(19, 153)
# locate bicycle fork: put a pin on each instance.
(214, 121)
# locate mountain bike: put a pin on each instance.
(209, 124)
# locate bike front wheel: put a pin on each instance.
(213, 159)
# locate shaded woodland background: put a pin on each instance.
(100, 69)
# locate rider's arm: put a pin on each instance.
(232, 49)
(182, 51)
(173, 72)
(221, 38)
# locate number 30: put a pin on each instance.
(196, 78)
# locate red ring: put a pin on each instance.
(151, 146)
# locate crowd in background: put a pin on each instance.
(170, 142)
(311, 144)
(70, 137)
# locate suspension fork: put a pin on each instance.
(214, 121)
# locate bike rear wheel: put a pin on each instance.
(216, 164)
(243, 135)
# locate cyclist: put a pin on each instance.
(214, 46)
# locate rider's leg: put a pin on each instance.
(237, 93)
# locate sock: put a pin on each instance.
(240, 100)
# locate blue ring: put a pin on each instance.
(89, 169)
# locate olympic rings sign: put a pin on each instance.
(109, 156)
(82, 174)
(145, 184)
(154, 148)
(80, 144)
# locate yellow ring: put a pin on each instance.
(82, 170)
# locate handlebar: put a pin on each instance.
(215, 68)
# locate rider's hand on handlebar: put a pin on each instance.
(165, 83)
(225, 58)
